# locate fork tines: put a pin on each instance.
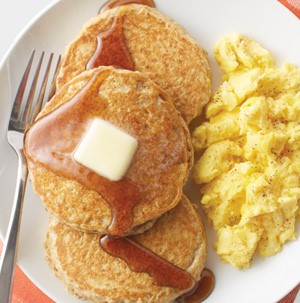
(26, 112)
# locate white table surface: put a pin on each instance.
(14, 16)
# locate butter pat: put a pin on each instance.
(106, 149)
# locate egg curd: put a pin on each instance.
(250, 167)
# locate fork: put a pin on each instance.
(23, 113)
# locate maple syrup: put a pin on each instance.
(201, 290)
(141, 259)
(111, 48)
(111, 45)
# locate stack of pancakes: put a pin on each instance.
(167, 86)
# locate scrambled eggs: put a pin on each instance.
(250, 167)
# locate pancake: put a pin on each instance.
(157, 46)
(158, 171)
(92, 274)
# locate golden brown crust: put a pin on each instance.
(158, 46)
(160, 165)
(90, 273)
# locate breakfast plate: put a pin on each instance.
(266, 21)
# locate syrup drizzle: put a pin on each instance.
(114, 3)
(111, 48)
(201, 290)
(141, 259)
(111, 45)
(52, 140)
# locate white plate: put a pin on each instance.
(267, 21)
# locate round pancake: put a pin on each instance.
(90, 273)
(160, 166)
(158, 46)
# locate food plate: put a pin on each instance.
(266, 21)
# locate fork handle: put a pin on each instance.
(9, 253)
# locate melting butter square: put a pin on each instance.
(106, 149)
